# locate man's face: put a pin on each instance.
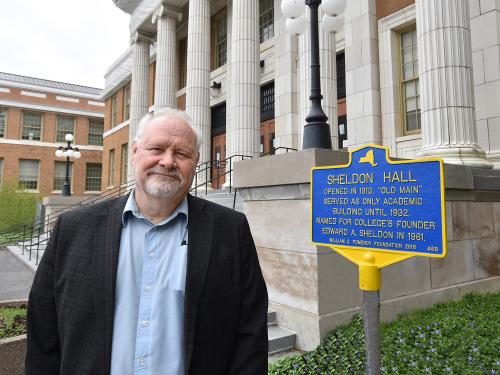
(165, 158)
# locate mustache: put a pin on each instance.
(170, 172)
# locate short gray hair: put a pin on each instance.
(168, 112)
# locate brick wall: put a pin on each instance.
(113, 141)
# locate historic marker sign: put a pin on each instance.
(376, 204)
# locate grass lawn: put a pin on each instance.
(12, 321)
(460, 337)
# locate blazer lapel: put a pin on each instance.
(108, 226)
(200, 235)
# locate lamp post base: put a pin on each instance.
(317, 135)
(66, 190)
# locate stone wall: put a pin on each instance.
(313, 289)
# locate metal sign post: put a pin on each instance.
(376, 212)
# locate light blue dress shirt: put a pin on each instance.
(148, 335)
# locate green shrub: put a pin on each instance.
(450, 338)
(12, 321)
(16, 206)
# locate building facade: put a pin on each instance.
(35, 116)
(225, 61)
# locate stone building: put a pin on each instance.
(35, 116)
(420, 77)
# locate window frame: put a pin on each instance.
(262, 36)
(92, 178)
(24, 113)
(123, 163)
(127, 95)
(63, 139)
(111, 168)
(90, 134)
(402, 82)
(37, 176)
(6, 111)
(114, 110)
(219, 19)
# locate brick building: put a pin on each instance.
(35, 115)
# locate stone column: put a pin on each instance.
(242, 134)
(327, 47)
(446, 86)
(139, 88)
(166, 57)
(364, 120)
(198, 71)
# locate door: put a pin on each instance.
(218, 169)
(267, 136)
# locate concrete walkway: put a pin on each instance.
(15, 277)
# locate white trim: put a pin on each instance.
(116, 128)
(98, 104)
(46, 108)
(66, 99)
(92, 192)
(34, 94)
(46, 144)
(50, 90)
(4, 89)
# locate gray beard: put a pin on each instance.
(159, 186)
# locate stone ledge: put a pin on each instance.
(12, 351)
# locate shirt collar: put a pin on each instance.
(131, 209)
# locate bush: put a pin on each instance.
(450, 338)
(12, 321)
(16, 206)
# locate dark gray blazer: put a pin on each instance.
(71, 304)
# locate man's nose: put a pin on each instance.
(167, 159)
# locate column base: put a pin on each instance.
(469, 156)
(494, 158)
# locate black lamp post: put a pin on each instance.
(67, 152)
(317, 130)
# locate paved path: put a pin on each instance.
(15, 277)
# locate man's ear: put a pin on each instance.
(134, 151)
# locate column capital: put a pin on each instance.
(140, 36)
(167, 11)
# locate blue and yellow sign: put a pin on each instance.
(380, 206)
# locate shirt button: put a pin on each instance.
(149, 288)
(151, 254)
(141, 362)
(145, 323)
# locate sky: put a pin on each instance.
(72, 41)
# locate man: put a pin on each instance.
(157, 282)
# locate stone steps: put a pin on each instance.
(224, 198)
(280, 339)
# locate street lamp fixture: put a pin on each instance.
(67, 152)
(316, 131)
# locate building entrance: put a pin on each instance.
(218, 164)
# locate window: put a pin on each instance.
(60, 174)
(124, 164)
(340, 75)
(220, 39)
(410, 91)
(111, 169)
(126, 103)
(28, 174)
(114, 110)
(3, 122)
(182, 64)
(93, 177)
(218, 119)
(96, 127)
(64, 126)
(267, 101)
(32, 127)
(266, 12)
